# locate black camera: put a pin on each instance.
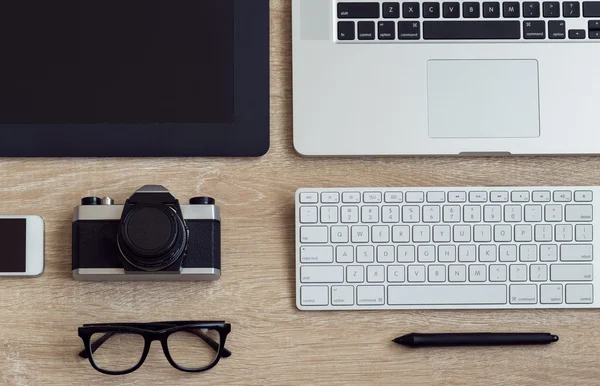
(151, 237)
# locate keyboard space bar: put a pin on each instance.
(471, 30)
(446, 294)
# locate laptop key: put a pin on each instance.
(391, 10)
(593, 25)
(591, 9)
(451, 10)
(511, 9)
(557, 29)
(470, 10)
(534, 30)
(576, 34)
(409, 30)
(491, 10)
(551, 9)
(431, 10)
(571, 9)
(366, 30)
(346, 30)
(531, 9)
(594, 34)
(387, 30)
(411, 10)
(471, 30)
(358, 10)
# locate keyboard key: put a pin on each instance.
(471, 10)
(487, 253)
(543, 232)
(576, 34)
(457, 197)
(366, 30)
(441, 233)
(395, 273)
(314, 295)
(355, 274)
(467, 253)
(477, 196)
(351, 197)
(551, 9)
(571, 272)
(528, 253)
(497, 272)
(491, 10)
(409, 30)
(414, 197)
(533, 213)
(584, 232)
(531, 9)
(346, 30)
(551, 293)
(502, 233)
(411, 10)
(563, 232)
(372, 197)
(482, 233)
(538, 272)
(571, 9)
(318, 274)
(451, 10)
(511, 10)
(410, 214)
(512, 213)
(579, 293)
(451, 213)
(316, 254)
(344, 254)
(523, 233)
(310, 235)
(416, 273)
(492, 213)
(447, 254)
(519, 196)
(499, 196)
(431, 10)
(370, 295)
(472, 213)
(518, 272)
(406, 254)
(557, 29)
(426, 253)
(562, 196)
(431, 213)
(477, 273)
(462, 233)
(329, 214)
(436, 197)
(358, 10)
(471, 30)
(385, 254)
(309, 198)
(534, 30)
(391, 10)
(523, 294)
(380, 234)
(370, 214)
(437, 273)
(309, 215)
(553, 213)
(541, 196)
(386, 30)
(349, 214)
(390, 214)
(585, 195)
(400, 234)
(457, 273)
(339, 234)
(360, 234)
(548, 252)
(342, 295)
(365, 254)
(447, 294)
(576, 252)
(508, 253)
(594, 34)
(579, 213)
(330, 198)
(421, 234)
(375, 274)
(393, 197)
(591, 9)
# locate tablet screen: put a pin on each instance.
(116, 61)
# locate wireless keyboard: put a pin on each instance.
(364, 22)
(446, 248)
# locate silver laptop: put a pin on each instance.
(433, 78)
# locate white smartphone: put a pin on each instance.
(22, 240)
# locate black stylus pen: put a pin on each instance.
(475, 339)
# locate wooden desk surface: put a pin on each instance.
(272, 342)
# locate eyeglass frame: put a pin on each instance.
(150, 333)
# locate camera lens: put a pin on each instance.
(152, 237)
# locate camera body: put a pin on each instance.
(151, 237)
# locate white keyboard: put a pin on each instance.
(447, 248)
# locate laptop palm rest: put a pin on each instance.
(509, 89)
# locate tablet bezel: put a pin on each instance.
(248, 135)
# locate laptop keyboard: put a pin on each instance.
(364, 22)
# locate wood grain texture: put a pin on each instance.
(272, 342)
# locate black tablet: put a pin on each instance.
(134, 78)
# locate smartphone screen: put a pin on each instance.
(13, 245)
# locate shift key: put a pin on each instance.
(358, 10)
(571, 272)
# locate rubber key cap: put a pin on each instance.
(471, 30)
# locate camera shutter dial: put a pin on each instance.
(91, 201)
(202, 201)
(152, 237)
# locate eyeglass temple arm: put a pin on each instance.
(214, 345)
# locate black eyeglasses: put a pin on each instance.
(121, 348)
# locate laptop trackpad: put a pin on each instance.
(483, 99)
